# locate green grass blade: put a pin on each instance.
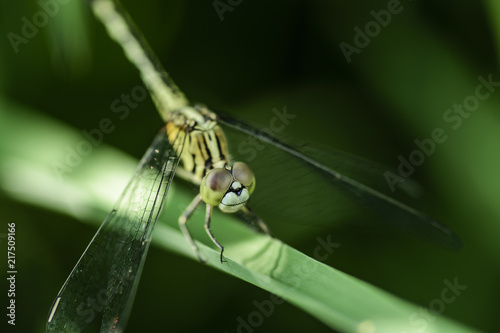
(29, 146)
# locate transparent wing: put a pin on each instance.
(313, 186)
(310, 184)
(105, 279)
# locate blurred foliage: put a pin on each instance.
(265, 55)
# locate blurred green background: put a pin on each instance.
(267, 55)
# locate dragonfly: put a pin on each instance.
(194, 144)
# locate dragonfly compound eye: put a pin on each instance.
(214, 185)
(244, 175)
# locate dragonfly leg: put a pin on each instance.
(208, 219)
(183, 219)
(256, 220)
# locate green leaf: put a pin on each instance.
(31, 145)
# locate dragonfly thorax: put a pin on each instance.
(205, 145)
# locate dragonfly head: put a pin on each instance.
(230, 188)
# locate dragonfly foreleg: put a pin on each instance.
(183, 219)
(256, 221)
(208, 219)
